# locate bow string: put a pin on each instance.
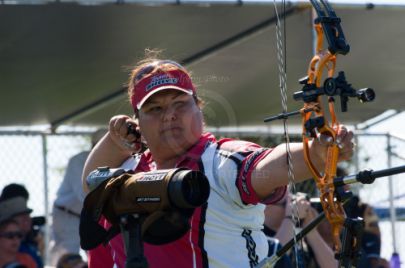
(282, 68)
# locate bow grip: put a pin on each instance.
(312, 124)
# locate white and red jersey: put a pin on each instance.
(227, 230)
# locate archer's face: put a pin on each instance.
(171, 122)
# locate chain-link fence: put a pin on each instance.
(386, 195)
(38, 161)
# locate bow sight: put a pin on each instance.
(332, 87)
(327, 24)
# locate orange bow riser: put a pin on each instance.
(314, 122)
(333, 210)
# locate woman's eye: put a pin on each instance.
(180, 103)
(155, 109)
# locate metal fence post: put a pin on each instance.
(393, 216)
(46, 198)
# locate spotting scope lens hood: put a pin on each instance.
(188, 189)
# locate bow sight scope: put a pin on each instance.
(340, 87)
(365, 94)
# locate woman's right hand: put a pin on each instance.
(124, 132)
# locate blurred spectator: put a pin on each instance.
(270, 227)
(385, 264)
(71, 260)
(33, 241)
(371, 239)
(274, 246)
(11, 236)
(14, 190)
(313, 251)
(68, 204)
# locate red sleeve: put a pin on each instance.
(100, 257)
(244, 180)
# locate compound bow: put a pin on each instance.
(314, 122)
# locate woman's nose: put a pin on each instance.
(170, 114)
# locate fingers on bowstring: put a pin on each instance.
(133, 131)
(118, 127)
(122, 129)
(116, 124)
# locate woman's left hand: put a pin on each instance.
(344, 140)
